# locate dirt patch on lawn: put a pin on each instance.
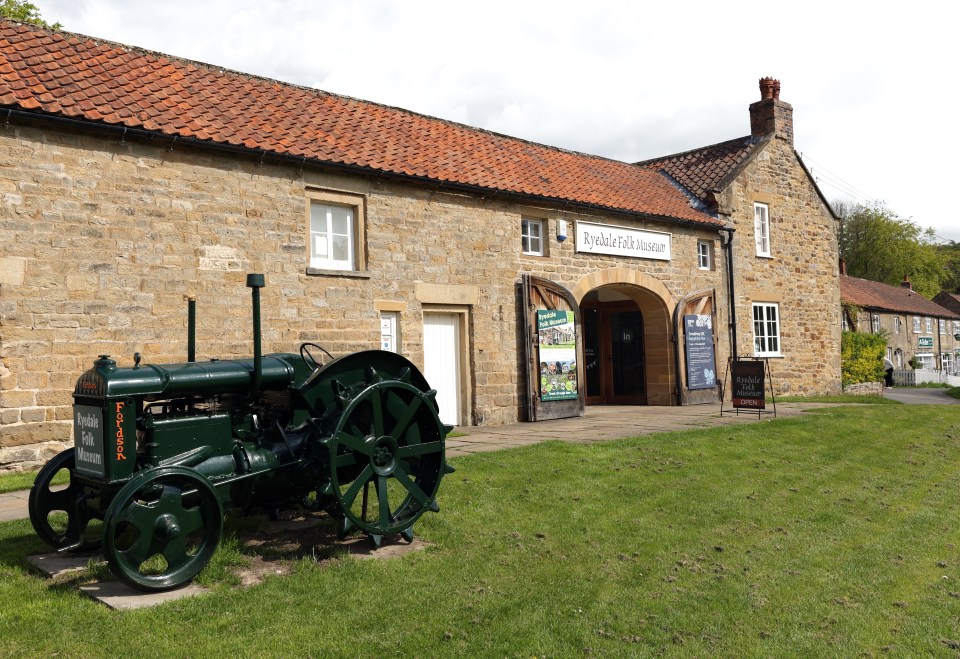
(273, 545)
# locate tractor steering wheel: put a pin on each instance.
(308, 358)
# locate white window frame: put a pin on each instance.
(875, 323)
(897, 324)
(929, 325)
(323, 211)
(761, 228)
(533, 242)
(941, 326)
(946, 363)
(704, 255)
(916, 324)
(927, 361)
(844, 324)
(956, 327)
(766, 330)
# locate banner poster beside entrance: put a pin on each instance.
(698, 343)
(557, 337)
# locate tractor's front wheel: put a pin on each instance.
(162, 528)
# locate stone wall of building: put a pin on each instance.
(105, 239)
(800, 275)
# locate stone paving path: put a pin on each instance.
(598, 424)
(13, 505)
(608, 422)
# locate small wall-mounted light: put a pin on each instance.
(561, 230)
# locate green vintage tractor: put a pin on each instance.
(160, 451)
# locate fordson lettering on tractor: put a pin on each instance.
(120, 454)
(160, 450)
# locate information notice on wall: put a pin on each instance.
(748, 384)
(698, 344)
(558, 355)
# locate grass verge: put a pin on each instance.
(834, 533)
(23, 480)
(840, 398)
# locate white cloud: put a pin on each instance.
(870, 86)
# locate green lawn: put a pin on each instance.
(833, 534)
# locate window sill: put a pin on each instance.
(778, 355)
(355, 274)
(764, 256)
(533, 257)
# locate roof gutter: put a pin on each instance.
(7, 112)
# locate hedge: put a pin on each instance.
(861, 357)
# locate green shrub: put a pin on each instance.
(861, 357)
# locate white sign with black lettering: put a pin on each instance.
(621, 241)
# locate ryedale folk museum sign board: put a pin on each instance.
(621, 241)
(748, 381)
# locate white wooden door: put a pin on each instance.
(441, 356)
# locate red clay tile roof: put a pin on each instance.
(883, 297)
(69, 75)
(704, 169)
(949, 300)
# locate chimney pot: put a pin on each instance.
(769, 89)
(906, 283)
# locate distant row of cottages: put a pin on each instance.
(918, 330)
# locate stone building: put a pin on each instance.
(915, 326)
(526, 280)
(784, 255)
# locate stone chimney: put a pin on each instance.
(906, 283)
(843, 267)
(770, 115)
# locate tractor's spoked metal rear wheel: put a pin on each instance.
(389, 436)
(162, 528)
(58, 512)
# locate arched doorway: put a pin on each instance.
(627, 339)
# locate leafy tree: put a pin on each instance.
(951, 252)
(879, 245)
(26, 12)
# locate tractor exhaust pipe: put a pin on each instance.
(255, 283)
(191, 329)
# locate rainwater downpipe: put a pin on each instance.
(731, 296)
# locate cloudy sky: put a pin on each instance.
(872, 84)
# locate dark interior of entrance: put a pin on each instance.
(613, 345)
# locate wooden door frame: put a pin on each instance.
(605, 360)
(703, 301)
(537, 293)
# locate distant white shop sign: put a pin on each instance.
(620, 241)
